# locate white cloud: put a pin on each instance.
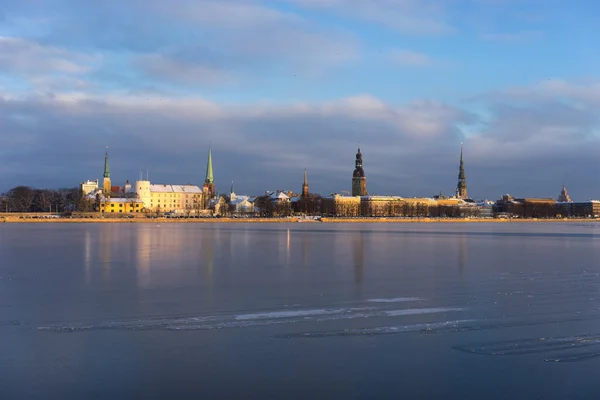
(514, 37)
(418, 17)
(164, 67)
(409, 58)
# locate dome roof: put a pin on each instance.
(358, 173)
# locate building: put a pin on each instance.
(305, 187)
(583, 209)
(89, 186)
(209, 181)
(379, 206)
(564, 197)
(169, 198)
(359, 181)
(461, 186)
(106, 187)
(240, 204)
(119, 205)
(527, 207)
(341, 206)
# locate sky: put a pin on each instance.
(279, 86)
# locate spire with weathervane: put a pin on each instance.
(305, 186)
(359, 180)
(209, 180)
(461, 187)
(106, 184)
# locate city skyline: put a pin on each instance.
(278, 87)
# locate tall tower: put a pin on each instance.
(564, 196)
(209, 180)
(461, 186)
(305, 187)
(359, 181)
(106, 184)
(232, 193)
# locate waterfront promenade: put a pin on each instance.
(22, 219)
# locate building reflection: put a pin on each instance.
(143, 256)
(105, 252)
(462, 254)
(87, 257)
(359, 257)
(304, 249)
(287, 247)
(207, 257)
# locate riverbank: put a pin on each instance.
(10, 219)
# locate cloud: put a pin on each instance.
(526, 144)
(178, 71)
(409, 58)
(514, 37)
(415, 17)
(24, 57)
(249, 141)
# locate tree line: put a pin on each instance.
(28, 199)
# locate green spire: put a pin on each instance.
(209, 169)
(106, 171)
(232, 187)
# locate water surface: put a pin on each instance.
(320, 310)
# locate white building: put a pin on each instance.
(89, 186)
(169, 198)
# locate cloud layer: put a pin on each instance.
(277, 87)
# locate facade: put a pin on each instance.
(374, 206)
(461, 186)
(169, 198)
(583, 209)
(359, 180)
(527, 207)
(341, 206)
(119, 205)
(89, 186)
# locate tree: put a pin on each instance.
(21, 198)
(42, 200)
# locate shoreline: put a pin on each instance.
(16, 219)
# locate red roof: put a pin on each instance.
(115, 189)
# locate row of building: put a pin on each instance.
(189, 199)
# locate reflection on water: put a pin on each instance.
(143, 258)
(462, 254)
(105, 243)
(87, 256)
(351, 299)
(358, 251)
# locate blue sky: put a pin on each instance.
(279, 86)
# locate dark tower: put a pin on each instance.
(305, 187)
(209, 180)
(359, 181)
(106, 186)
(461, 187)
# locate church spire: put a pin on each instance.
(232, 187)
(359, 181)
(305, 186)
(461, 187)
(209, 169)
(106, 170)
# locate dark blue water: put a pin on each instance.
(299, 311)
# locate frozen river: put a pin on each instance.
(299, 311)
